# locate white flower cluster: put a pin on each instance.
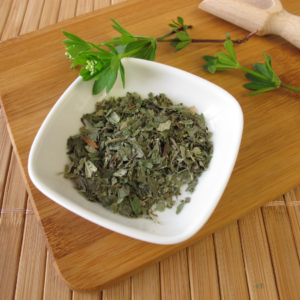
(91, 66)
(69, 55)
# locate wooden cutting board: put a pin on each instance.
(34, 73)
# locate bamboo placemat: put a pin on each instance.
(256, 257)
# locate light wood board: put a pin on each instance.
(35, 73)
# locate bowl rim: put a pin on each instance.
(111, 224)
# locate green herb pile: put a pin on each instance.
(134, 153)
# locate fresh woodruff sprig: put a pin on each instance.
(182, 38)
(103, 65)
(262, 79)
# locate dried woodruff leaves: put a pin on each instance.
(134, 153)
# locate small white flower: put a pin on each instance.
(91, 66)
(69, 55)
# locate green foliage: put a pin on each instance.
(182, 36)
(262, 79)
(104, 65)
(222, 61)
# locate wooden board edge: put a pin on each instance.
(73, 285)
(30, 196)
(14, 145)
(101, 286)
(26, 179)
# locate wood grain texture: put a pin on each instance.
(32, 16)
(11, 233)
(283, 251)
(15, 191)
(203, 273)
(67, 9)
(4, 11)
(119, 291)
(258, 264)
(50, 13)
(232, 277)
(48, 75)
(54, 287)
(174, 277)
(87, 296)
(31, 273)
(101, 4)
(116, 1)
(11, 230)
(292, 199)
(5, 152)
(14, 20)
(146, 284)
(84, 6)
(27, 282)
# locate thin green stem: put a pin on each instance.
(290, 87)
(173, 31)
(254, 73)
(238, 41)
(166, 35)
(170, 40)
(200, 41)
(131, 52)
(109, 42)
(99, 49)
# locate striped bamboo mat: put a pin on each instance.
(256, 257)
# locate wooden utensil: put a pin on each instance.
(266, 16)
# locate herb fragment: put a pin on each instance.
(146, 167)
(262, 79)
(180, 207)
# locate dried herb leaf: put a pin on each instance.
(161, 206)
(113, 118)
(153, 186)
(133, 154)
(90, 168)
(180, 207)
(164, 126)
(120, 173)
(136, 205)
(89, 142)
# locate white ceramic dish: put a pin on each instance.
(224, 118)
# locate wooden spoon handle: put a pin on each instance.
(286, 25)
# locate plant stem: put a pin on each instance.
(254, 73)
(193, 41)
(237, 41)
(171, 33)
(203, 41)
(107, 43)
(290, 87)
(131, 52)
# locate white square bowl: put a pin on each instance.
(224, 118)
